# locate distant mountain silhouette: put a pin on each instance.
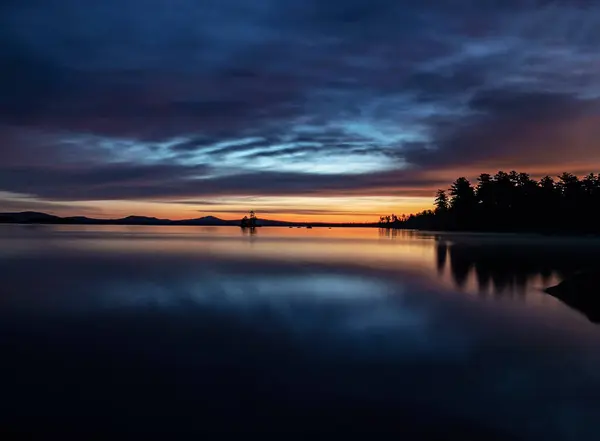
(78, 219)
(144, 220)
(206, 220)
(30, 217)
(43, 218)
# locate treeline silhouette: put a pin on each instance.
(511, 202)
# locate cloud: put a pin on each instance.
(95, 183)
(125, 99)
(127, 181)
(509, 128)
(14, 202)
(296, 211)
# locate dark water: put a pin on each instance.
(167, 331)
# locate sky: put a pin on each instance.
(337, 110)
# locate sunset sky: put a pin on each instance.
(333, 110)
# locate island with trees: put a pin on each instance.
(249, 221)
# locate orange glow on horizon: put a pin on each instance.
(347, 209)
(309, 210)
(358, 206)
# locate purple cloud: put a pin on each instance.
(134, 99)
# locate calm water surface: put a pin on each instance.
(179, 329)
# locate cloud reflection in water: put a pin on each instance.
(145, 325)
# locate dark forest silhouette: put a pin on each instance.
(512, 202)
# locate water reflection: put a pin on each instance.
(512, 269)
(289, 329)
(391, 233)
(388, 232)
(248, 231)
(441, 253)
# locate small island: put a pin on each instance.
(249, 221)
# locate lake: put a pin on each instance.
(191, 329)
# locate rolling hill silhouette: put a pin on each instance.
(32, 217)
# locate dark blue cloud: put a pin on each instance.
(131, 181)
(277, 90)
